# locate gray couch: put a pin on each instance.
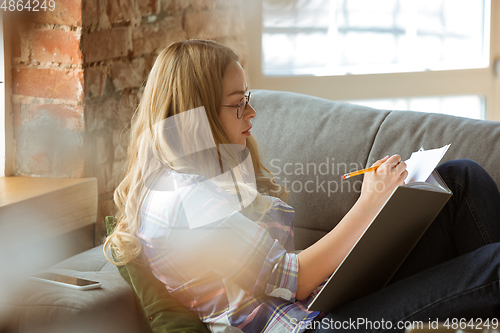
(308, 143)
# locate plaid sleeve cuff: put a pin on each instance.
(283, 280)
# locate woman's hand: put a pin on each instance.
(321, 259)
(379, 184)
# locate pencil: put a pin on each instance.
(359, 172)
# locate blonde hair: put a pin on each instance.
(185, 76)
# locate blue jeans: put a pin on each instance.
(453, 271)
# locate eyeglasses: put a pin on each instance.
(242, 105)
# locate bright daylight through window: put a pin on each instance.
(337, 37)
(342, 37)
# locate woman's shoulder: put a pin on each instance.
(177, 197)
(278, 221)
(278, 213)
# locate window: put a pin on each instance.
(400, 53)
(337, 37)
(470, 106)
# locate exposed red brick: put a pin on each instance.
(153, 37)
(90, 12)
(48, 83)
(70, 116)
(105, 44)
(121, 11)
(148, 7)
(67, 12)
(56, 46)
(15, 43)
(95, 81)
(128, 75)
(24, 45)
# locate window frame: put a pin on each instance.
(6, 125)
(479, 81)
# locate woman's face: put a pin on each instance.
(234, 88)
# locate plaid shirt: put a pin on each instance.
(235, 272)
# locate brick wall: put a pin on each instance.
(76, 75)
(47, 92)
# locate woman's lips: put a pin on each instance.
(247, 132)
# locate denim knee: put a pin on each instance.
(460, 168)
(487, 257)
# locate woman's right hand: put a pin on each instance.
(378, 185)
(320, 260)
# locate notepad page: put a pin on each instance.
(421, 163)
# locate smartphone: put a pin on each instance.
(66, 281)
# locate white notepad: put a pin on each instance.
(421, 163)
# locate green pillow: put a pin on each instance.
(163, 313)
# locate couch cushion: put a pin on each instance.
(309, 143)
(405, 132)
(41, 307)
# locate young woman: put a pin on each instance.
(216, 230)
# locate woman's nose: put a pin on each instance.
(250, 112)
